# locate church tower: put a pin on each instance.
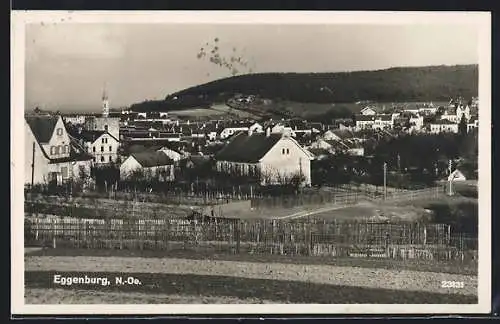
(105, 104)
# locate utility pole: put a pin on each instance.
(451, 178)
(33, 167)
(385, 180)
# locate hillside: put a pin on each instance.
(438, 83)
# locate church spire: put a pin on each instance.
(105, 103)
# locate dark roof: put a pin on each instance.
(443, 122)
(138, 148)
(42, 127)
(365, 118)
(247, 149)
(149, 159)
(88, 135)
(384, 117)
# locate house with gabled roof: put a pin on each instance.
(102, 145)
(147, 165)
(368, 111)
(274, 158)
(364, 122)
(50, 154)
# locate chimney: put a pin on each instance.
(268, 131)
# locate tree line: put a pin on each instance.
(395, 84)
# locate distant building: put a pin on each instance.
(100, 144)
(364, 122)
(242, 127)
(383, 122)
(74, 119)
(148, 165)
(443, 126)
(416, 123)
(274, 158)
(455, 112)
(473, 124)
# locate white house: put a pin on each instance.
(240, 127)
(416, 123)
(454, 114)
(364, 122)
(383, 122)
(149, 165)
(272, 157)
(473, 123)
(229, 131)
(280, 128)
(50, 155)
(100, 144)
(443, 126)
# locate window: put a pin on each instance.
(283, 151)
(102, 158)
(287, 151)
(64, 171)
(110, 148)
(110, 159)
(102, 148)
(93, 159)
(93, 149)
(106, 128)
(102, 140)
(59, 131)
(67, 149)
(52, 150)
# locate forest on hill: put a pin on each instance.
(438, 83)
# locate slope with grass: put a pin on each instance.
(395, 84)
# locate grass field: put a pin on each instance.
(452, 267)
(220, 281)
(215, 111)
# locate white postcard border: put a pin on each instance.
(479, 20)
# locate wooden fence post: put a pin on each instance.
(167, 232)
(425, 234)
(237, 234)
(54, 233)
(308, 238)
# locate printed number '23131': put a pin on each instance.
(452, 284)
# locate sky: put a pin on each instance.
(68, 65)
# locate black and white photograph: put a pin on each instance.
(251, 162)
